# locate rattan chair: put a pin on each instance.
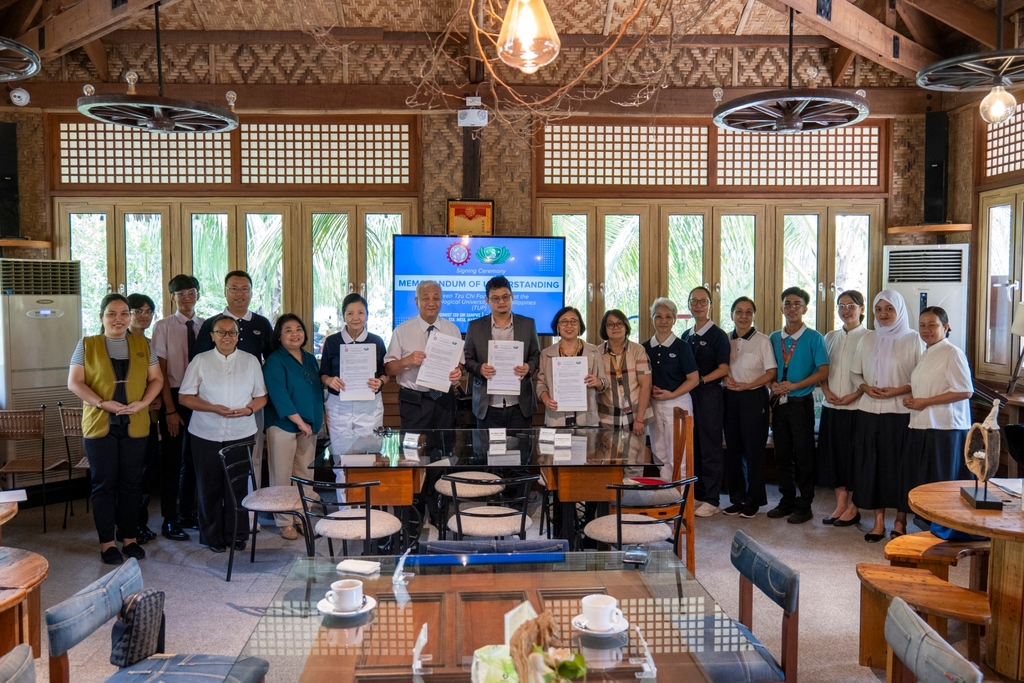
(71, 427)
(23, 425)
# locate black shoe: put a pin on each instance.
(896, 534)
(239, 545)
(922, 523)
(874, 538)
(111, 556)
(217, 548)
(800, 516)
(778, 512)
(190, 522)
(174, 532)
(145, 535)
(853, 521)
(733, 510)
(749, 511)
(829, 520)
(134, 550)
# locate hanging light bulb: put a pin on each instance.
(527, 40)
(998, 106)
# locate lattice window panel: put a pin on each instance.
(100, 153)
(361, 154)
(850, 156)
(626, 155)
(1004, 146)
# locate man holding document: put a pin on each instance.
(425, 355)
(502, 353)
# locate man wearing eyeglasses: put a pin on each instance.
(173, 339)
(496, 410)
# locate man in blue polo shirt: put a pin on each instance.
(802, 362)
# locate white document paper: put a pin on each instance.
(358, 366)
(443, 354)
(546, 435)
(504, 356)
(13, 496)
(570, 393)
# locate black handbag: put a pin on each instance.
(139, 630)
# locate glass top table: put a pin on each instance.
(473, 448)
(677, 631)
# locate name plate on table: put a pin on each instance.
(359, 460)
(411, 440)
(546, 448)
(411, 454)
(546, 435)
(563, 440)
(497, 447)
(496, 435)
(509, 459)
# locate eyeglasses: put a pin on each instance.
(793, 304)
(568, 323)
(239, 290)
(187, 293)
(226, 333)
(504, 299)
(847, 307)
(614, 326)
(142, 311)
(700, 302)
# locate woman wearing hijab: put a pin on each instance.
(886, 357)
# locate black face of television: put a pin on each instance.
(534, 266)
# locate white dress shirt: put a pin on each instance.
(942, 368)
(412, 336)
(230, 381)
(842, 347)
(906, 351)
(750, 358)
(170, 340)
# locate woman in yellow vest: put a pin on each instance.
(117, 376)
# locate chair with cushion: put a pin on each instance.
(237, 465)
(504, 515)
(622, 527)
(486, 489)
(75, 619)
(475, 547)
(24, 425)
(353, 520)
(918, 653)
(17, 666)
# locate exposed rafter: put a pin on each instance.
(745, 16)
(921, 26)
(860, 32)
(19, 17)
(966, 18)
(841, 61)
(97, 52)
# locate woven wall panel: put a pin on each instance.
(961, 165)
(190, 15)
(312, 64)
(442, 169)
(31, 184)
(906, 197)
(505, 177)
(769, 67)
(181, 63)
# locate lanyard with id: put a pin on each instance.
(617, 365)
(786, 357)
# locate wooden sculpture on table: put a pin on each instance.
(982, 455)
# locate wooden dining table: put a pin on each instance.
(22, 573)
(941, 502)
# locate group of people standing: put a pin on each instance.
(211, 384)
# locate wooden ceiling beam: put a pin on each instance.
(4, 4)
(97, 52)
(922, 27)
(966, 18)
(1012, 6)
(841, 61)
(82, 23)
(20, 16)
(855, 29)
(745, 16)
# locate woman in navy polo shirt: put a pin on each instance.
(711, 350)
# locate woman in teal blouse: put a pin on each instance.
(295, 411)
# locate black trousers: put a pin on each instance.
(150, 471)
(708, 456)
(419, 411)
(746, 433)
(507, 418)
(115, 463)
(216, 514)
(175, 482)
(793, 429)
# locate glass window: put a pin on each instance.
(737, 263)
(89, 246)
(1000, 247)
(622, 268)
(685, 262)
(143, 251)
(264, 251)
(330, 275)
(852, 234)
(573, 227)
(380, 271)
(210, 261)
(800, 259)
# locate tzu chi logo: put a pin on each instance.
(458, 254)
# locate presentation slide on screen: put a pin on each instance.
(534, 266)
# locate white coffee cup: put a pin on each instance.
(346, 595)
(601, 659)
(601, 612)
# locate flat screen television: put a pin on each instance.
(535, 267)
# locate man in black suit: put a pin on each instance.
(495, 410)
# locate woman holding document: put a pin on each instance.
(354, 408)
(571, 375)
(626, 403)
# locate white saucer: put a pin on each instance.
(580, 624)
(326, 607)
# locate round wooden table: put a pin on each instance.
(22, 572)
(7, 513)
(941, 502)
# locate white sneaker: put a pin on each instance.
(706, 510)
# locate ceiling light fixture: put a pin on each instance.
(993, 71)
(158, 114)
(527, 40)
(17, 61)
(792, 110)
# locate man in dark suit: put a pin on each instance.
(495, 410)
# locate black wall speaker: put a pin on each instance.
(936, 162)
(10, 219)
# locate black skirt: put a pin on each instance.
(931, 455)
(836, 447)
(878, 460)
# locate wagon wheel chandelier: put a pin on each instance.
(792, 110)
(158, 114)
(17, 61)
(994, 71)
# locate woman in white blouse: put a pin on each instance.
(939, 403)
(835, 444)
(881, 369)
(751, 367)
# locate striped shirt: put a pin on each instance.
(616, 406)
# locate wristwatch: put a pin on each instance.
(701, 380)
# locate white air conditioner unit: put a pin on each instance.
(932, 275)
